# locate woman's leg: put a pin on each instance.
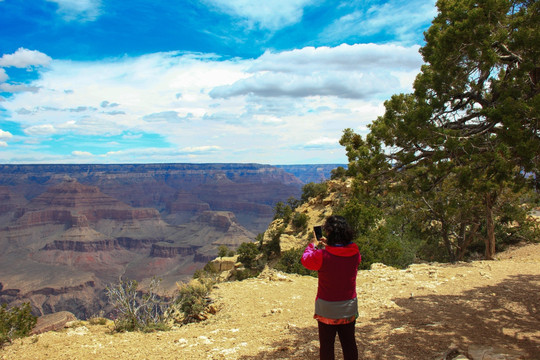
(327, 336)
(348, 341)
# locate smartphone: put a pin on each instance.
(318, 232)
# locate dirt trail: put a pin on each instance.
(415, 313)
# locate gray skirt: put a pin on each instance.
(336, 309)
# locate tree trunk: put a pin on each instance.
(467, 240)
(446, 239)
(490, 226)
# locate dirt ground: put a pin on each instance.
(416, 313)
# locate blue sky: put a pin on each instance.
(145, 81)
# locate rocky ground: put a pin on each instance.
(417, 313)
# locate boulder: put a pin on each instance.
(224, 263)
(477, 352)
(52, 322)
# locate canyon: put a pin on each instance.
(68, 231)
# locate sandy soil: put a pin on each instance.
(415, 313)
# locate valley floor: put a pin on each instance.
(416, 313)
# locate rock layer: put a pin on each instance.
(88, 239)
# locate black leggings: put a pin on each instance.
(327, 336)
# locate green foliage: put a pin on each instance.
(293, 203)
(223, 251)
(468, 133)
(514, 222)
(246, 274)
(136, 310)
(391, 240)
(290, 262)
(282, 211)
(362, 214)
(208, 271)
(193, 298)
(300, 221)
(247, 253)
(313, 190)
(272, 248)
(259, 239)
(15, 322)
(338, 173)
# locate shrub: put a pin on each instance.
(313, 190)
(282, 211)
(207, 273)
(385, 244)
(247, 252)
(15, 322)
(293, 203)
(272, 248)
(300, 221)
(223, 251)
(193, 298)
(338, 173)
(290, 262)
(137, 310)
(246, 274)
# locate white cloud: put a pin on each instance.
(3, 75)
(83, 10)
(151, 154)
(18, 88)
(40, 130)
(272, 15)
(25, 58)
(201, 149)
(81, 153)
(349, 71)
(5, 135)
(230, 110)
(323, 141)
(167, 116)
(322, 84)
(403, 20)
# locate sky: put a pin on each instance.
(200, 81)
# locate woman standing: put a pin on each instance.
(336, 306)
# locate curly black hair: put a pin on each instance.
(338, 232)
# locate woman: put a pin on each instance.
(336, 307)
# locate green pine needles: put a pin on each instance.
(15, 322)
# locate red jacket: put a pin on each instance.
(337, 268)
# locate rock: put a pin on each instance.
(273, 275)
(52, 322)
(79, 331)
(379, 266)
(224, 263)
(477, 352)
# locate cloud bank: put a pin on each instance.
(176, 106)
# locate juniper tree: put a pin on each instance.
(474, 112)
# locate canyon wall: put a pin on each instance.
(67, 231)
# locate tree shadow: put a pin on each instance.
(506, 315)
